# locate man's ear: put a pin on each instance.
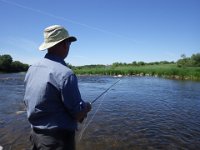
(64, 44)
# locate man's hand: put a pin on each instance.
(88, 106)
(83, 114)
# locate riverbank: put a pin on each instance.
(170, 71)
(165, 70)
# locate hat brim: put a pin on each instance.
(72, 39)
(45, 46)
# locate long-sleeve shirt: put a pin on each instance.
(52, 96)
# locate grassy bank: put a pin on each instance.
(165, 70)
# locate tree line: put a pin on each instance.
(8, 65)
(193, 61)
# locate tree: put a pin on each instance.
(116, 64)
(17, 66)
(141, 63)
(134, 63)
(69, 65)
(183, 56)
(196, 59)
(193, 61)
(5, 62)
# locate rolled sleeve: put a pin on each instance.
(71, 96)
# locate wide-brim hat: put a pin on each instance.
(54, 35)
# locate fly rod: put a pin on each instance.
(104, 92)
(81, 133)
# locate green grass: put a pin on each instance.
(165, 70)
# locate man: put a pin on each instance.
(52, 97)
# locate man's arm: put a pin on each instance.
(72, 100)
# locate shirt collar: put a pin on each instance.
(55, 58)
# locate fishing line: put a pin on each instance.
(86, 125)
(102, 94)
(105, 91)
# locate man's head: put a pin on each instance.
(56, 37)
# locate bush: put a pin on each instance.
(7, 64)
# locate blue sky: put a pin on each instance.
(108, 31)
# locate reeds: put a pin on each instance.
(161, 70)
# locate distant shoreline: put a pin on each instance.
(138, 75)
(170, 71)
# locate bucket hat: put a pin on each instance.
(53, 35)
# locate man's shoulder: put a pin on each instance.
(56, 73)
(58, 68)
(64, 70)
(53, 67)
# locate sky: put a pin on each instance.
(108, 31)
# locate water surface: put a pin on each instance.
(138, 113)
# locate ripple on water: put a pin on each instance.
(139, 113)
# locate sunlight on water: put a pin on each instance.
(138, 113)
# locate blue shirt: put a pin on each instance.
(52, 95)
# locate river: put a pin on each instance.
(138, 113)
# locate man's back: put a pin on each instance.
(53, 101)
(44, 82)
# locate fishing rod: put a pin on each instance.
(86, 125)
(104, 92)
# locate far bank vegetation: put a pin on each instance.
(185, 68)
(8, 65)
